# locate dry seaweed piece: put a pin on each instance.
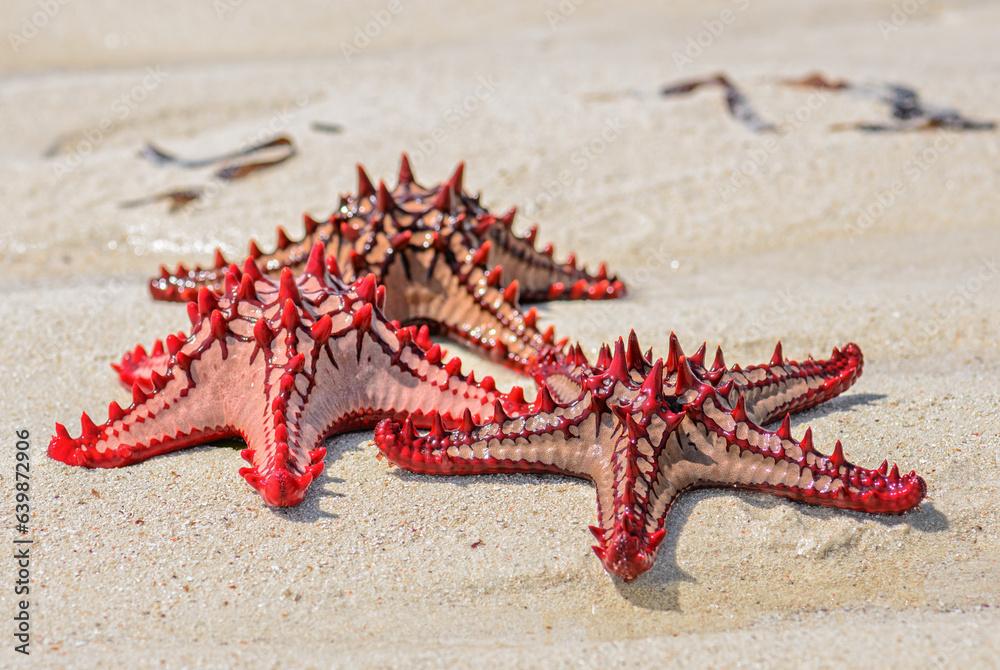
(161, 157)
(238, 170)
(326, 127)
(905, 107)
(233, 169)
(178, 198)
(936, 122)
(816, 80)
(56, 147)
(736, 101)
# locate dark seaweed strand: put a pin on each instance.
(906, 109)
(736, 101)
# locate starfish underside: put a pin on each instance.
(446, 261)
(283, 365)
(644, 431)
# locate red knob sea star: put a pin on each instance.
(282, 364)
(644, 431)
(445, 260)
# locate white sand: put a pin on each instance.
(176, 562)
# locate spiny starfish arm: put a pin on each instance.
(542, 278)
(183, 283)
(769, 391)
(389, 371)
(284, 452)
(284, 449)
(744, 455)
(137, 365)
(779, 387)
(788, 387)
(506, 441)
(468, 301)
(177, 410)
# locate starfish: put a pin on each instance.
(283, 364)
(644, 431)
(446, 261)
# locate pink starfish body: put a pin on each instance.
(283, 365)
(644, 431)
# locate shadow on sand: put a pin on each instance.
(658, 589)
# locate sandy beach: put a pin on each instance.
(811, 236)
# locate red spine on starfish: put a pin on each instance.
(446, 262)
(283, 364)
(644, 430)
